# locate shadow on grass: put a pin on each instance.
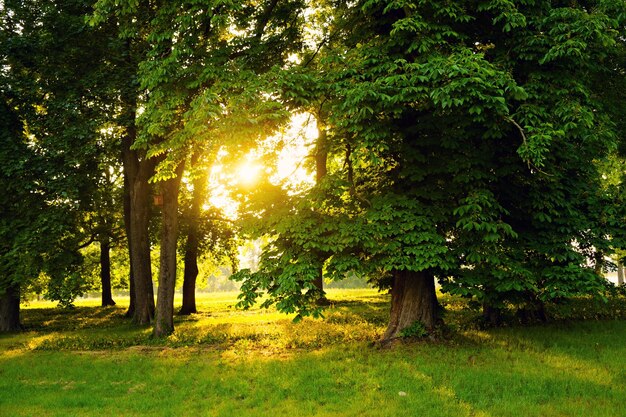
(58, 319)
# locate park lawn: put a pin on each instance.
(223, 362)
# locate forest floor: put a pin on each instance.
(90, 361)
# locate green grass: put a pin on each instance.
(222, 362)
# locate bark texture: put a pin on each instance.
(413, 298)
(620, 274)
(139, 170)
(105, 273)
(164, 320)
(10, 309)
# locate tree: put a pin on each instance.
(193, 239)
(186, 104)
(127, 52)
(14, 230)
(468, 133)
(54, 96)
(57, 95)
(106, 222)
(208, 233)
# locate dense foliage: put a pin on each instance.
(54, 104)
(475, 142)
(468, 135)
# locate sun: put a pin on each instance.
(248, 173)
(288, 167)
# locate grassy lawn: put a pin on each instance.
(222, 362)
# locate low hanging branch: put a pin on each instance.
(521, 130)
(525, 142)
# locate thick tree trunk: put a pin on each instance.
(140, 247)
(138, 171)
(10, 309)
(164, 320)
(620, 274)
(190, 274)
(105, 273)
(413, 298)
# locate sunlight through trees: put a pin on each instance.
(471, 147)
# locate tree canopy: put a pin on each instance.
(466, 144)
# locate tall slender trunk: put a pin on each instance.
(413, 299)
(321, 160)
(10, 309)
(620, 274)
(105, 273)
(139, 170)
(191, 247)
(190, 275)
(126, 199)
(164, 320)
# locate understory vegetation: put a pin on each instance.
(89, 361)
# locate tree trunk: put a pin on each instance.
(319, 284)
(164, 320)
(130, 313)
(140, 247)
(413, 299)
(492, 316)
(131, 305)
(138, 171)
(620, 274)
(191, 248)
(10, 309)
(321, 151)
(190, 275)
(105, 273)
(534, 311)
(599, 262)
(321, 160)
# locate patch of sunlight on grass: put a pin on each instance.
(575, 368)
(545, 353)
(542, 359)
(37, 341)
(447, 395)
